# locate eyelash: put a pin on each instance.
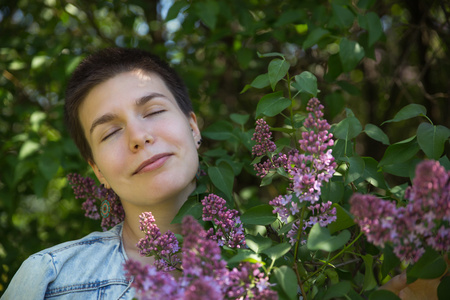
(147, 115)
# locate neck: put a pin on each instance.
(163, 212)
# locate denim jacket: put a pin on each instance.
(88, 268)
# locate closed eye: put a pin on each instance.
(109, 135)
(154, 113)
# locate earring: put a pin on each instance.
(105, 208)
(200, 141)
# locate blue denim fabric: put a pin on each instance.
(88, 268)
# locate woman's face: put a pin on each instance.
(144, 146)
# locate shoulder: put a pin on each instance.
(94, 262)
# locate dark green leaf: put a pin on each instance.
(175, 9)
(338, 290)
(333, 191)
(372, 174)
(432, 139)
(220, 130)
(355, 170)
(400, 152)
(191, 207)
(347, 129)
(277, 70)
(371, 22)
(277, 251)
(271, 54)
(288, 280)
(306, 82)
(343, 16)
(208, 11)
(408, 112)
(350, 53)
(444, 289)
(383, 295)
(320, 239)
(258, 243)
(376, 133)
(343, 221)
(272, 104)
(369, 278)
(261, 81)
(259, 215)
(314, 37)
(222, 177)
(390, 261)
(240, 119)
(431, 265)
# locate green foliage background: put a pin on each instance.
(373, 57)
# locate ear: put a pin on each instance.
(99, 174)
(194, 127)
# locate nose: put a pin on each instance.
(139, 136)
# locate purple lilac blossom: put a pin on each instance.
(262, 137)
(424, 221)
(163, 246)
(229, 229)
(86, 188)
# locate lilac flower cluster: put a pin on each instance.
(308, 171)
(263, 139)
(94, 195)
(204, 276)
(423, 222)
(316, 165)
(228, 227)
(265, 147)
(163, 247)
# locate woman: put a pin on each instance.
(131, 117)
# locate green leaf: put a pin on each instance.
(372, 174)
(347, 129)
(383, 295)
(314, 37)
(443, 289)
(408, 112)
(258, 243)
(343, 221)
(350, 53)
(277, 251)
(261, 81)
(48, 165)
(271, 54)
(371, 22)
(355, 170)
(222, 177)
(239, 119)
(343, 16)
(220, 130)
(376, 133)
(278, 68)
(337, 290)
(432, 139)
(245, 255)
(175, 9)
(208, 11)
(191, 207)
(28, 148)
(333, 191)
(369, 278)
(272, 104)
(431, 265)
(259, 215)
(390, 261)
(288, 281)
(306, 82)
(319, 238)
(400, 152)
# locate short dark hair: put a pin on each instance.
(104, 65)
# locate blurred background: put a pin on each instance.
(373, 57)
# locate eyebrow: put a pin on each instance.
(110, 117)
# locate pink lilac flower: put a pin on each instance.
(163, 246)
(424, 221)
(277, 161)
(203, 288)
(151, 283)
(316, 166)
(86, 188)
(229, 230)
(262, 137)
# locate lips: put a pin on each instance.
(153, 163)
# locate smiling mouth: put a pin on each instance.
(153, 163)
